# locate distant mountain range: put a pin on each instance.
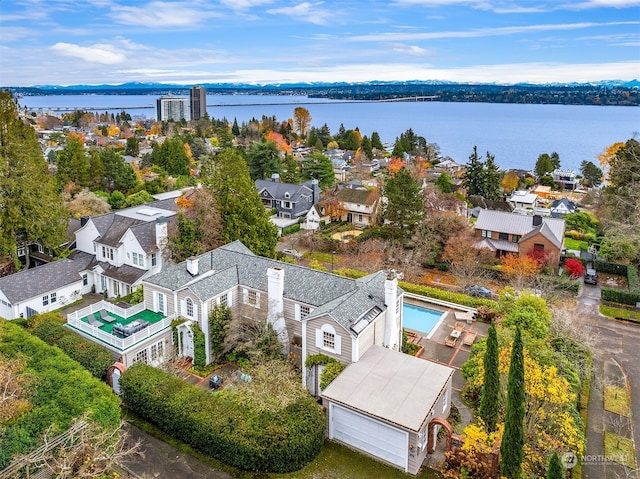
(610, 92)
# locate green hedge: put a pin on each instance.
(93, 357)
(288, 230)
(620, 296)
(632, 278)
(430, 292)
(611, 268)
(235, 432)
(63, 391)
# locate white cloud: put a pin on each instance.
(482, 32)
(306, 12)
(100, 53)
(410, 49)
(159, 14)
(244, 4)
(589, 4)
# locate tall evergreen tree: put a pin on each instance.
(512, 447)
(263, 159)
(31, 208)
(172, 156)
(474, 176)
(375, 141)
(319, 167)
(118, 173)
(490, 400)
(555, 469)
(73, 164)
(544, 165)
(244, 217)
(235, 129)
(366, 147)
(404, 207)
(492, 179)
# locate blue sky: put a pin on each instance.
(64, 42)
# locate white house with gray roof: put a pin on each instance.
(45, 288)
(127, 245)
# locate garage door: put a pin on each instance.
(369, 435)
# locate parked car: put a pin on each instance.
(591, 276)
(292, 252)
(215, 381)
(477, 291)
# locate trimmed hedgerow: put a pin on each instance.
(236, 432)
(62, 392)
(93, 357)
(457, 298)
(611, 268)
(620, 296)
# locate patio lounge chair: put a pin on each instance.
(104, 316)
(464, 316)
(93, 320)
(469, 338)
(458, 327)
(451, 341)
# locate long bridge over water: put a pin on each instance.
(64, 109)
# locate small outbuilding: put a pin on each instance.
(384, 405)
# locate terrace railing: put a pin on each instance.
(107, 306)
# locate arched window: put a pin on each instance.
(327, 339)
(189, 307)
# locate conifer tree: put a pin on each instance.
(492, 178)
(474, 174)
(31, 208)
(512, 447)
(555, 470)
(490, 400)
(404, 207)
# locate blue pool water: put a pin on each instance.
(420, 319)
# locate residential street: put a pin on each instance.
(616, 359)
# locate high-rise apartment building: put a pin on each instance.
(198, 97)
(172, 108)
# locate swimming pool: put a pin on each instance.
(420, 319)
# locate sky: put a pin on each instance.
(70, 42)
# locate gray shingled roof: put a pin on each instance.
(346, 300)
(125, 273)
(30, 283)
(146, 235)
(358, 196)
(277, 190)
(117, 229)
(516, 224)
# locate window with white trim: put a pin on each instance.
(286, 204)
(252, 298)
(45, 300)
(189, 307)
(141, 357)
(486, 234)
(53, 297)
(154, 259)
(85, 280)
(137, 259)
(157, 351)
(304, 311)
(223, 300)
(328, 340)
(160, 302)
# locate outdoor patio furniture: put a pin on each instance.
(451, 340)
(467, 316)
(469, 338)
(105, 316)
(125, 331)
(93, 320)
(459, 327)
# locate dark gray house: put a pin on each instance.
(290, 201)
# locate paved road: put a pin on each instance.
(617, 354)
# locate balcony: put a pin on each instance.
(81, 322)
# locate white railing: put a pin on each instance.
(121, 344)
(107, 306)
(439, 302)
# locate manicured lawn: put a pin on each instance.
(334, 462)
(620, 449)
(616, 399)
(621, 313)
(578, 245)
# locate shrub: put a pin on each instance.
(331, 371)
(611, 268)
(574, 267)
(199, 351)
(291, 229)
(620, 296)
(222, 425)
(62, 392)
(93, 357)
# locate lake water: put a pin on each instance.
(515, 134)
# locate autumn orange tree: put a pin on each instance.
(302, 120)
(607, 155)
(279, 141)
(519, 271)
(334, 208)
(395, 164)
(510, 181)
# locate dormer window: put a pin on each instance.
(287, 195)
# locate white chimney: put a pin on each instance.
(275, 308)
(392, 328)
(161, 232)
(192, 266)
